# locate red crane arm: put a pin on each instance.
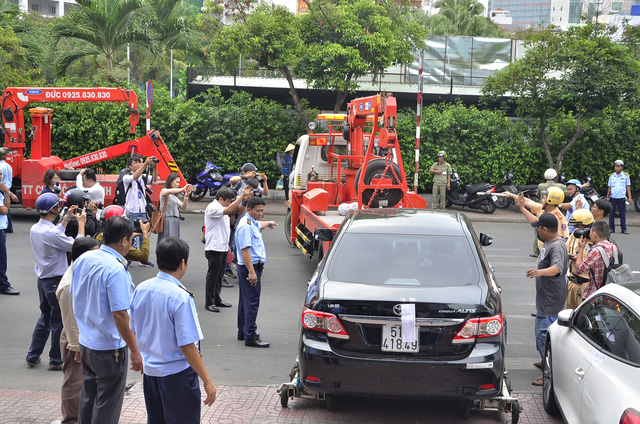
(17, 98)
(149, 145)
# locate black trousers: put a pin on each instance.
(173, 399)
(217, 262)
(104, 374)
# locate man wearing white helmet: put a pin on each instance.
(618, 193)
(550, 181)
(441, 171)
(574, 199)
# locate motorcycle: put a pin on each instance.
(529, 191)
(210, 179)
(461, 194)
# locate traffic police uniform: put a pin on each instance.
(563, 229)
(577, 283)
(171, 386)
(248, 234)
(618, 197)
(440, 185)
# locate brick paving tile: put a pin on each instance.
(261, 405)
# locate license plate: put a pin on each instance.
(392, 340)
(594, 198)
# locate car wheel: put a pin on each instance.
(284, 397)
(331, 402)
(287, 229)
(548, 394)
(465, 411)
(198, 194)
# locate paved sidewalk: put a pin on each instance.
(262, 405)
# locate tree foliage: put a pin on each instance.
(346, 39)
(573, 74)
(459, 17)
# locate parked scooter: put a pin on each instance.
(210, 179)
(467, 195)
(505, 186)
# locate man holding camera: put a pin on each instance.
(592, 261)
(581, 220)
(135, 183)
(50, 246)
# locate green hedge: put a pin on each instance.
(481, 144)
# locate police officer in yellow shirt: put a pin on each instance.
(441, 171)
(581, 220)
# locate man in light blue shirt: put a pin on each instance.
(101, 288)
(251, 261)
(172, 361)
(50, 246)
(618, 193)
(7, 180)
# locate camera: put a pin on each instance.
(154, 159)
(579, 233)
(254, 184)
(136, 225)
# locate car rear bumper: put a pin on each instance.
(396, 378)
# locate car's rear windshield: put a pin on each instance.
(405, 260)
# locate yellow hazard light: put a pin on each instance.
(317, 141)
(332, 116)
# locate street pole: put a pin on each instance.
(418, 119)
(128, 67)
(171, 76)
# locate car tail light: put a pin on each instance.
(630, 416)
(479, 327)
(324, 322)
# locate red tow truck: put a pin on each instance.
(27, 173)
(357, 160)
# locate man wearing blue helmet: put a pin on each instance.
(573, 190)
(50, 246)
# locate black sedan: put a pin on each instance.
(404, 305)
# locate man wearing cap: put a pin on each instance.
(575, 198)
(7, 180)
(550, 275)
(441, 171)
(618, 193)
(286, 169)
(50, 246)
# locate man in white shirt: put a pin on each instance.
(7, 180)
(217, 229)
(135, 183)
(86, 180)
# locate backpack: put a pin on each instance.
(120, 197)
(615, 272)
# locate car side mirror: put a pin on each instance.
(485, 239)
(323, 234)
(564, 317)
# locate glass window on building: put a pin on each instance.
(35, 7)
(52, 10)
(575, 10)
(616, 6)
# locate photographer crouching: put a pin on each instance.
(77, 197)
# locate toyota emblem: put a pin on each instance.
(398, 309)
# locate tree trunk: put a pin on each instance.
(294, 94)
(578, 133)
(340, 98)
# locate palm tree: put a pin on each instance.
(105, 25)
(171, 24)
(463, 17)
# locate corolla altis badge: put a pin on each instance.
(458, 311)
(33, 92)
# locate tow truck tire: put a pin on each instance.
(465, 412)
(287, 229)
(284, 397)
(198, 194)
(376, 169)
(331, 402)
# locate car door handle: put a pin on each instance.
(580, 373)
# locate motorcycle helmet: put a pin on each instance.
(555, 196)
(442, 153)
(45, 202)
(581, 217)
(74, 197)
(550, 174)
(575, 182)
(109, 211)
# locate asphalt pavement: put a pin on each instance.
(247, 378)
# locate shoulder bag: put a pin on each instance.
(157, 218)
